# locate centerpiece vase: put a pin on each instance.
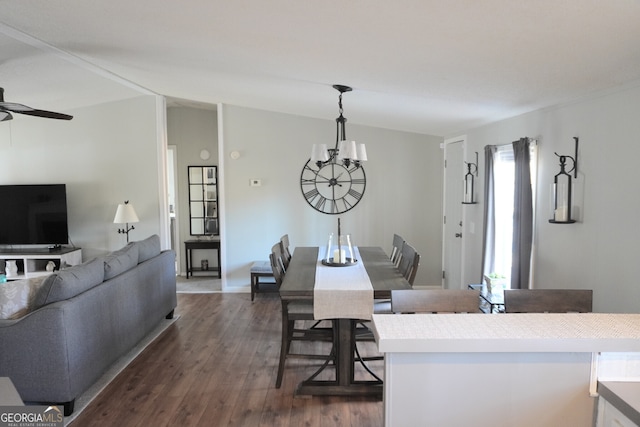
(339, 251)
(11, 269)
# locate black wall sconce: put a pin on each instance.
(563, 189)
(469, 189)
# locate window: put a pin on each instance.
(504, 170)
(500, 253)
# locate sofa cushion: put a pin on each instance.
(17, 297)
(70, 282)
(119, 261)
(148, 248)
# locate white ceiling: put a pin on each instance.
(434, 67)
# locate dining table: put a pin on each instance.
(345, 295)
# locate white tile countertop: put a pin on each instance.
(516, 332)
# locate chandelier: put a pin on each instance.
(347, 152)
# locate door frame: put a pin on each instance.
(174, 165)
(463, 140)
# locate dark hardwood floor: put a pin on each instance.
(216, 366)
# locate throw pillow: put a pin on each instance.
(17, 297)
(14, 296)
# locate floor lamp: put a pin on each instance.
(125, 214)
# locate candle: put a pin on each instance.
(561, 214)
(339, 256)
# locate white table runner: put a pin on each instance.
(342, 292)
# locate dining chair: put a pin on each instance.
(435, 301)
(396, 249)
(286, 253)
(548, 300)
(277, 252)
(261, 270)
(292, 311)
(409, 262)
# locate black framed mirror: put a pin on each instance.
(203, 201)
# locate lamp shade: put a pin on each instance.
(125, 214)
(347, 150)
(361, 150)
(319, 153)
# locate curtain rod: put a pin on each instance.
(509, 143)
(530, 140)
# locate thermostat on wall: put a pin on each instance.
(256, 183)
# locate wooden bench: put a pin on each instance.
(548, 300)
(435, 301)
(260, 270)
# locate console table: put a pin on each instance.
(489, 303)
(32, 262)
(208, 244)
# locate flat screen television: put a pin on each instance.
(33, 214)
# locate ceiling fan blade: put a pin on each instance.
(6, 107)
(4, 116)
(46, 114)
(23, 109)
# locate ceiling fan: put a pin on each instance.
(6, 108)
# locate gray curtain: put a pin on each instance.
(522, 216)
(489, 234)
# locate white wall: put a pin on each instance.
(105, 155)
(109, 153)
(600, 252)
(403, 194)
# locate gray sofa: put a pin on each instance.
(84, 318)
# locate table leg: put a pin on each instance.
(344, 384)
(189, 263)
(344, 349)
(219, 265)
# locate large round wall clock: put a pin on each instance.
(332, 188)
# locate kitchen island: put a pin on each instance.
(498, 370)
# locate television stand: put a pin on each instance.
(33, 262)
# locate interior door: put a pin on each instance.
(452, 229)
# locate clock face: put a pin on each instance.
(332, 188)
